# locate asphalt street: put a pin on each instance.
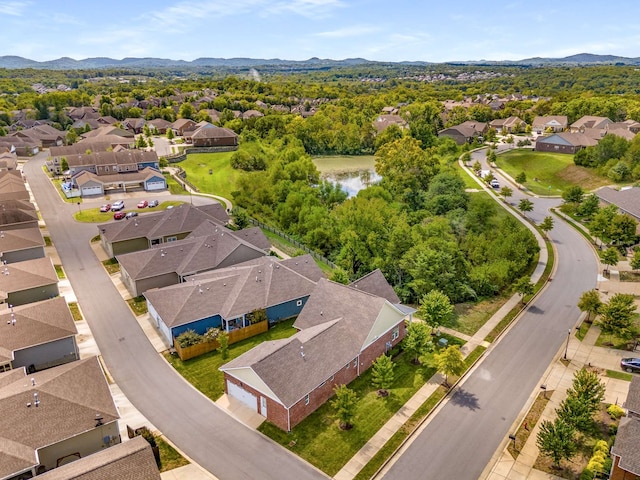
(218, 443)
(460, 440)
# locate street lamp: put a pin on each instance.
(79, 210)
(544, 390)
(566, 348)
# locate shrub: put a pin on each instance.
(587, 474)
(601, 446)
(211, 334)
(615, 412)
(189, 338)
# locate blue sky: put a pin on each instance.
(383, 30)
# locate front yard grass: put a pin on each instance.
(75, 312)
(555, 172)
(170, 458)
(222, 179)
(613, 341)
(138, 305)
(627, 377)
(60, 272)
(111, 266)
(174, 187)
(202, 372)
(319, 439)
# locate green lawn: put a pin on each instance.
(174, 187)
(111, 266)
(202, 372)
(319, 439)
(94, 215)
(221, 181)
(470, 317)
(75, 312)
(469, 181)
(554, 172)
(60, 272)
(138, 305)
(169, 456)
(613, 341)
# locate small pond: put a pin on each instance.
(353, 173)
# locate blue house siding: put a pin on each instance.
(200, 326)
(142, 165)
(289, 309)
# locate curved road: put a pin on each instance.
(208, 435)
(460, 440)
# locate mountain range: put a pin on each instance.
(66, 63)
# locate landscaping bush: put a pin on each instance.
(189, 338)
(615, 412)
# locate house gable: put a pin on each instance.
(248, 376)
(388, 318)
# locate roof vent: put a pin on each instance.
(302, 351)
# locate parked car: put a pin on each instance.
(494, 183)
(131, 215)
(630, 364)
(143, 204)
(119, 205)
(106, 207)
(119, 215)
(153, 203)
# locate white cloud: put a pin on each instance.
(306, 8)
(13, 8)
(352, 31)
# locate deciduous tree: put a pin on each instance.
(382, 375)
(417, 341)
(344, 403)
(524, 287)
(556, 440)
(590, 302)
(609, 257)
(525, 206)
(546, 225)
(435, 309)
(450, 362)
(616, 316)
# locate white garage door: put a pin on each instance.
(245, 397)
(91, 191)
(155, 186)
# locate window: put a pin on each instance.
(331, 378)
(395, 334)
(322, 384)
(355, 362)
(171, 239)
(299, 303)
(306, 399)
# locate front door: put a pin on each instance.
(263, 407)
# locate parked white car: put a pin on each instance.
(119, 205)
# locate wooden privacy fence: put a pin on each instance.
(185, 353)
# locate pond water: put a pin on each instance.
(353, 173)
(353, 181)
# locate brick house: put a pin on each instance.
(565, 142)
(342, 330)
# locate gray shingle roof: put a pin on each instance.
(181, 219)
(20, 239)
(15, 277)
(334, 326)
(69, 396)
(633, 397)
(130, 460)
(234, 291)
(627, 200)
(191, 255)
(376, 284)
(626, 445)
(35, 324)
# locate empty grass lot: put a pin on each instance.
(555, 172)
(221, 181)
(319, 439)
(202, 372)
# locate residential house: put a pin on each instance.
(589, 121)
(549, 124)
(37, 336)
(135, 125)
(130, 460)
(168, 264)
(508, 125)
(466, 132)
(182, 125)
(385, 121)
(23, 147)
(157, 228)
(342, 330)
(17, 214)
(28, 281)
(148, 179)
(12, 186)
(8, 159)
(43, 136)
(565, 142)
(53, 417)
(211, 136)
(252, 114)
(159, 125)
(114, 141)
(56, 154)
(21, 244)
(625, 452)
(99, 133)
(627, 199)
(225, 298)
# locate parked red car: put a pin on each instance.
(119, 215)
(106, 207)
(143, 204)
